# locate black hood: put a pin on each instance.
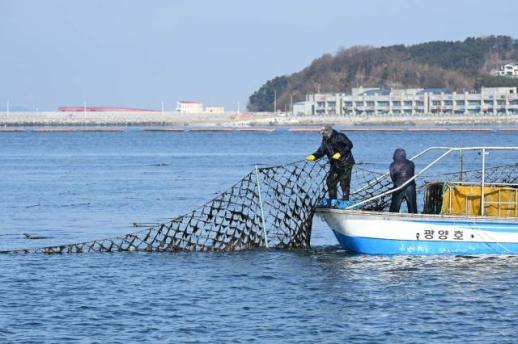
(399, 155)
(333, 133)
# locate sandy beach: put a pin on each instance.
(232, 119)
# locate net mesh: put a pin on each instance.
(269, 207)
(498, 174)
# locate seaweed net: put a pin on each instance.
(507, 174)
(269, 207)
(366, 184)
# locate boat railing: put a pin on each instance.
(445, 152)
(387, 174)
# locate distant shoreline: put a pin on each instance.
(171, 119)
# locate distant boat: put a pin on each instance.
(459, 217)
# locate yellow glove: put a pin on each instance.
(337, 156)
(311, 157)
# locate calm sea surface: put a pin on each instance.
(69, 187)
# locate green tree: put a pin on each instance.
(263, 99)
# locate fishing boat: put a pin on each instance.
(465, 212)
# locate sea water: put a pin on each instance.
(69, 187)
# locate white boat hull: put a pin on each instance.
(413, 234)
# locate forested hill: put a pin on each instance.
(460, 65)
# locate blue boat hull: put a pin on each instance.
(378, 246)
(420, 234)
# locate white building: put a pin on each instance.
(301, 108)
(410, 102)
(188, 106)
(508, 70)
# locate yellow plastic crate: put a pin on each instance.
(499, 200)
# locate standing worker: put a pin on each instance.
(401, 170)
(337, 147)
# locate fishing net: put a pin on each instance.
(499, 174)
(269, 207)
(368, 184)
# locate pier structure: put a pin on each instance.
(411, 102)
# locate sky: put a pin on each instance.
(139, 54)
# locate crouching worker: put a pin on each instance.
(402, 170)
(337, 147)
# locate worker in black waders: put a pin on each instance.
(401, 170)
(337, 147)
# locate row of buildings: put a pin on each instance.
(189, 106)
(410, 102)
